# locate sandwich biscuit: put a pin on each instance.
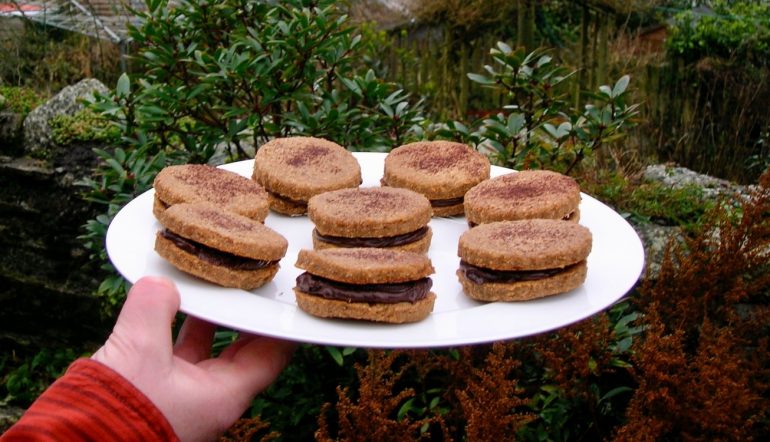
(370, 284)
(522, 260)
(441, 170)
(385, 217)
(523, 195)
(196, 183)
(294, 169)
(219, 246)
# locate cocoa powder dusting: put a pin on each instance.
(524, 232)
(510, 233)
(307, 155)
(367, 254)
(220, 220)
(520, 191)
(369, 200)
(451, 156)
(217, 184)
(522, 185)
(379, 202)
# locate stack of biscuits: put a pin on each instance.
(443, 171)
(370, 244)
(212, 226)
(524, 240)
(385, 217)
(373, 284)
(294, 169)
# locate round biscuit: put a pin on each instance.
(420, 246)
(535, 244)
(221, 275)
(362, 265)
(286, 207)
(436, 169)
(224, 231)
(522, 195)
(300, 167)
(372, 212)
(525, 290)
(457, 209)
(193, 183)
(158, 206)
(398, 313)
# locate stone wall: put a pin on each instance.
(47, 283)
(46, 299)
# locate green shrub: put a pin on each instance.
(222, 78)
(653, 202)
(237, 73)
(737, 30)
(23, 380)
(537, 127)
(83, 126)
(21, 100)
(47, 58)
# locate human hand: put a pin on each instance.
(199, 395)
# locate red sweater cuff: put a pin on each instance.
(92, 402)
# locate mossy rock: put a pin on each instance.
(38, 142)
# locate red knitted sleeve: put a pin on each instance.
(91, 402)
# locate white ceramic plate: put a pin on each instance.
(614, 266)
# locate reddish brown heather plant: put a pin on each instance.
(703, 364)
(575, 356)
(581, 361)
(249, 429)
(478, 397)
(490, 397)
(371, 415)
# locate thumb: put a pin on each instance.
(148, 313)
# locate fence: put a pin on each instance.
(710, 117)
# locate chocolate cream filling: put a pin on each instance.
(447, 202)
(214, 256)
(481, 275)
(278, 196)
(411, 291)
(567, 217)
(388, 241)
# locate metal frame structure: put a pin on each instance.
(75, 16)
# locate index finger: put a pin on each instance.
(252, 363)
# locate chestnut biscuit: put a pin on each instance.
(219, 246)
(441, 170)
(380, 285)
(522, 260)
(194, 183)
(523, 195)
(294, 169)
(385, 217)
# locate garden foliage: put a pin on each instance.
(20, 100)
(217, 79)
(731, 30)
(236, 73)
(538, 127)
(712, 93)
(702, 368)
(46, 58)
